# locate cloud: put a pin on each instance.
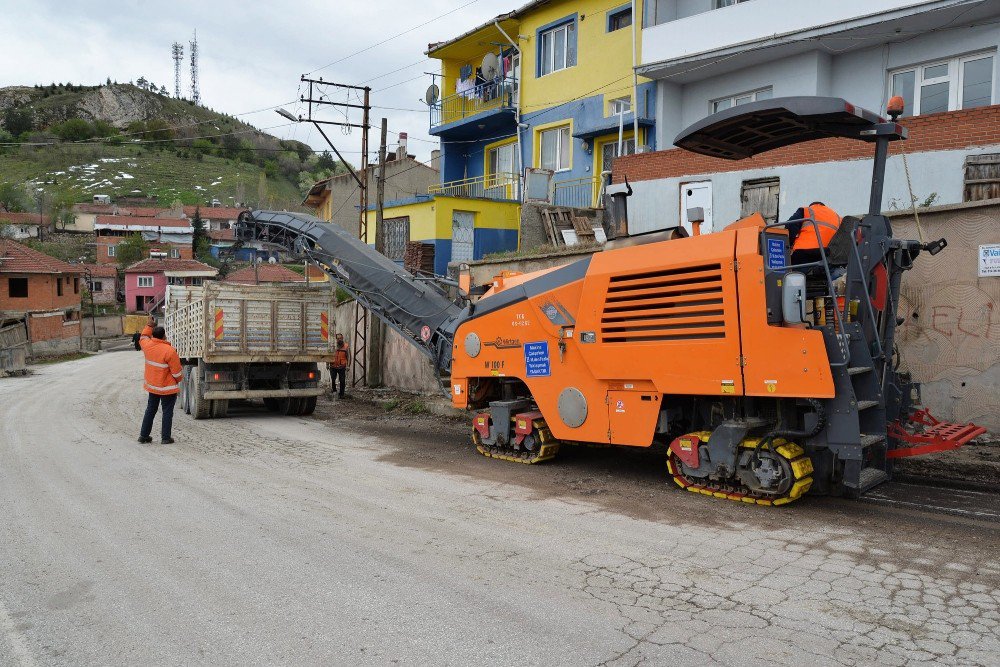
(251, 54)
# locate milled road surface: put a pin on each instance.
(365, 538)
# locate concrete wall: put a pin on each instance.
(403, 366)
(860, 77)
(694, 29)
(843, 185)
(404, 179)
(106, 326)
(950, 337)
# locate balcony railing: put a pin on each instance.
(485, 97)
(579, 193)
(494, 186)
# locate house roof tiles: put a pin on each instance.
(18, 258)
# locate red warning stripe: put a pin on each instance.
(219, 323)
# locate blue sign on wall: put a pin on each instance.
(536, 360)
(776, 253)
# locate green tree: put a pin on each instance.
(199, 240)
(18, 121)
(61, 213)
(131, 250)
(102, 128)
(12, 197)
(158, 130)
(326, 161)
(74, 129)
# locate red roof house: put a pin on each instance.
(43, 290)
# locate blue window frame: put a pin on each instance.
(619, 17)
(556, 46)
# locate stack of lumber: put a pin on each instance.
(419, 257)
(563, 228)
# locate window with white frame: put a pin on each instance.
(946, 85)
(145, 281)
(724, 103)
(719, 4)
(175, 253)
(557, 48)
(111, 250)
(554, 148)
(619, 105)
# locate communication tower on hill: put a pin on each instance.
(178, 54)
(195, 92)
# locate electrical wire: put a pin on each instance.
(389, 39)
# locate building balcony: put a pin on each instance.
(498, 187)
(681, 33)
(475, 112)
(579, 192)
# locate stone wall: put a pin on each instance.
(950, 336)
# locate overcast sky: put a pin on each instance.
(251, 54)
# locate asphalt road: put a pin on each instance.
(366, 539)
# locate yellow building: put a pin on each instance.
(547, 86)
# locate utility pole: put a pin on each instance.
(377, 344)
(359, 362)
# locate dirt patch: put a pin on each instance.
(978, 462)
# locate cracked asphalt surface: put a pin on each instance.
(360, 537)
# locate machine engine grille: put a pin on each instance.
(670, 305)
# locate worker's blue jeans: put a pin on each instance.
(166, 419)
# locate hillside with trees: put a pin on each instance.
(69, 141)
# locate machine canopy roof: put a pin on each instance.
(748, 129)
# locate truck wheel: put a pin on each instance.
(272, 404)
(292, 406)
(220, 408)
(308, 405)
(200, 408)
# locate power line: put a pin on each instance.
(389, 39)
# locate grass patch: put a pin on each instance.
(58, 359)
(164, 173)
(539, 251)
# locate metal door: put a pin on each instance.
(462, 236)
(761, 196)
(694, 195)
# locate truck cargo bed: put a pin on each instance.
(235, 323)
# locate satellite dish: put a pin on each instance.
(432, 95)
(491, 66)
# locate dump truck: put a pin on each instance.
(761, 376)
(246, 342)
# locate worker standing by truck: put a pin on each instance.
(338, 367)
(162, 381)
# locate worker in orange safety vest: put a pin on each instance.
(805, 246)
(162, 380)
(338, 368)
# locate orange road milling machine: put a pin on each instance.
(763, 376)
